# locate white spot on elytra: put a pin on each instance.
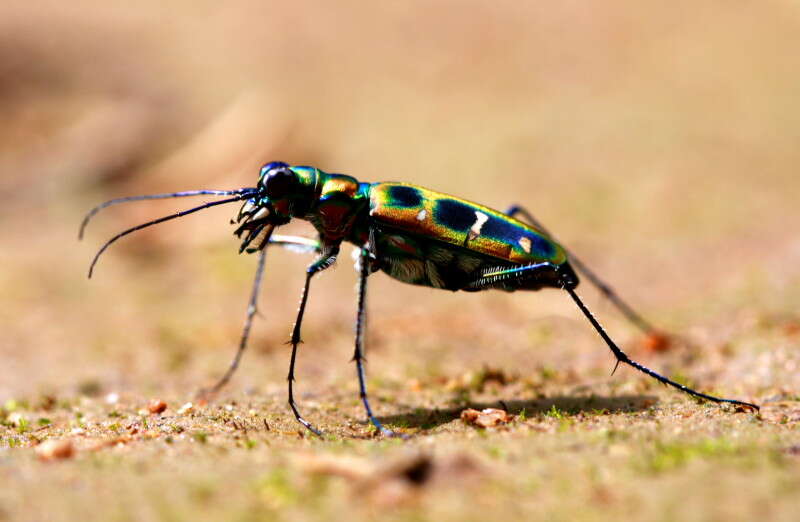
(421, 215)
(525, 243)
(480, 219)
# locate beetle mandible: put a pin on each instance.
(412, 234)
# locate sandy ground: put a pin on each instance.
(658, 142)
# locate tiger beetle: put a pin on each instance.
(412, 234)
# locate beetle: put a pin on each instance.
(412, 234)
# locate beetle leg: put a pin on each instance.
(623, 357)
(294, 243)
(610, 294)
(326, 259)
(252, 309)
(491, 277)
(358, 355)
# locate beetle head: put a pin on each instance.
(272, 205)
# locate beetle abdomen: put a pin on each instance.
(421, 261)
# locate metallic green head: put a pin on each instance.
(282, 192)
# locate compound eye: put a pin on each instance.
(279, 183)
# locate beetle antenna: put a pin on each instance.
(623, 357)
(161, 220)
(184, 194)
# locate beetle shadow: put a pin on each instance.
(429, 418)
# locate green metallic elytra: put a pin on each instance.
(462, 223)
(413, 234)
(442, 241)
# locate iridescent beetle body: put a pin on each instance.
(424, 237)
(413, 234)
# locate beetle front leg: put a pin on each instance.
(326, 259)
(294, 243)
(252, 309)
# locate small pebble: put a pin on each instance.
(17, 419)
(487, 418)
(55, 449)
(186, 408)
(156, 406)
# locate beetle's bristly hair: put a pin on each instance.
(623, 357)
(188, 193)
(161, 220)
(498, 274)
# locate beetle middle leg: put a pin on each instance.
(610, 294)
(489, 278)
(358, 355)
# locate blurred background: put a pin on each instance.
(657, 140)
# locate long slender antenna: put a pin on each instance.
(633, 316)
(252, 309)
(161, 220)
(623, 357)
(184, 194)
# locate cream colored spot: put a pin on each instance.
(475, 230)
(264, 212)
(525, 243)
(421, 215)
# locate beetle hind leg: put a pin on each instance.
(517, 277)
(622, 357)
(491, 278)
(632, 315)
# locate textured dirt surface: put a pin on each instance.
(658, 142)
